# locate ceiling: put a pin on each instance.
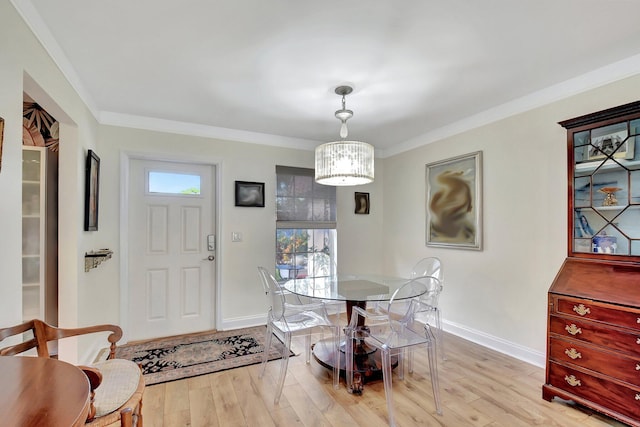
(265, 71)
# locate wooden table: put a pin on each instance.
(42, 392)
(353, 290)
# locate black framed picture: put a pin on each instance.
(362, 203)
(250, 194)
(92, 187)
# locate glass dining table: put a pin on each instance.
(354, 290)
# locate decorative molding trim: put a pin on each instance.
(599, 77)
(34, 21)
(518, 351)
(194, 129)
(242, 322)
(583, 83)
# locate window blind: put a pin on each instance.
(301, 202)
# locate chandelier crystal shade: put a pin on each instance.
(344, 162)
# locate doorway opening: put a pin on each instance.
(40, 148)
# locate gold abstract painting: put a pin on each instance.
(453, 202)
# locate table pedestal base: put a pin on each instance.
(367, 360)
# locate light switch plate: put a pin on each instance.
(236, 236)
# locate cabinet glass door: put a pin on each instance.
(32, 232)
(606, 189)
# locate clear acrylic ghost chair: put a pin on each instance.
(289, 319)
(430, 311)
(391, 335)
(430, 266)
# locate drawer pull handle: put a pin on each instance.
(637, 396)
(581, 309)
(574, 330)
(574, 354)
(572, 380)
(637, 367)
(637, 340)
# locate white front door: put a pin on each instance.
(171, 247)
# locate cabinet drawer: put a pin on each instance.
(621, 399)
(625, 317)
(595, 333)
(577, 353)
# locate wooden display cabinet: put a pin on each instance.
(593, 332)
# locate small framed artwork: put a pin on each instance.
(610, 141)
(250, 194)
(454, 202)
(362, 203)
(92, 187)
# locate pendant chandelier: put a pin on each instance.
(344, 162)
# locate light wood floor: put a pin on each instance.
(478, 386)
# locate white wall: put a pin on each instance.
(361, 246)
(94, 296)
(25, 66)
(242, 302)
(12, 35)
(498, 296)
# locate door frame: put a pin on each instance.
(125, 160)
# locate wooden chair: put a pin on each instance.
(116, 385)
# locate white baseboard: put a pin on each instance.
(509, 348)
(242, 322)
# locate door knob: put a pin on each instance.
(209, 258)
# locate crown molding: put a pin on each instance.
(34, 21)
(583, 83)
(194, 129)
(599, 77)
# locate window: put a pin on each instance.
(305, 225)
(173, 183)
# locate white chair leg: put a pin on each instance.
(284, 364)
(348, 358)
(440, 338)
(410, 360)
(307, 347)
(400, 369)
(336, 357)
(433, 370)
(386, 377)
(265, 353)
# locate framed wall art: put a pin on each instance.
(362, 203)
(611, 141)
(250, 194)
(454, 202)
(92, 187)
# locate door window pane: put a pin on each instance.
(173, 183)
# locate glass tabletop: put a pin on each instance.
(351, 287)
